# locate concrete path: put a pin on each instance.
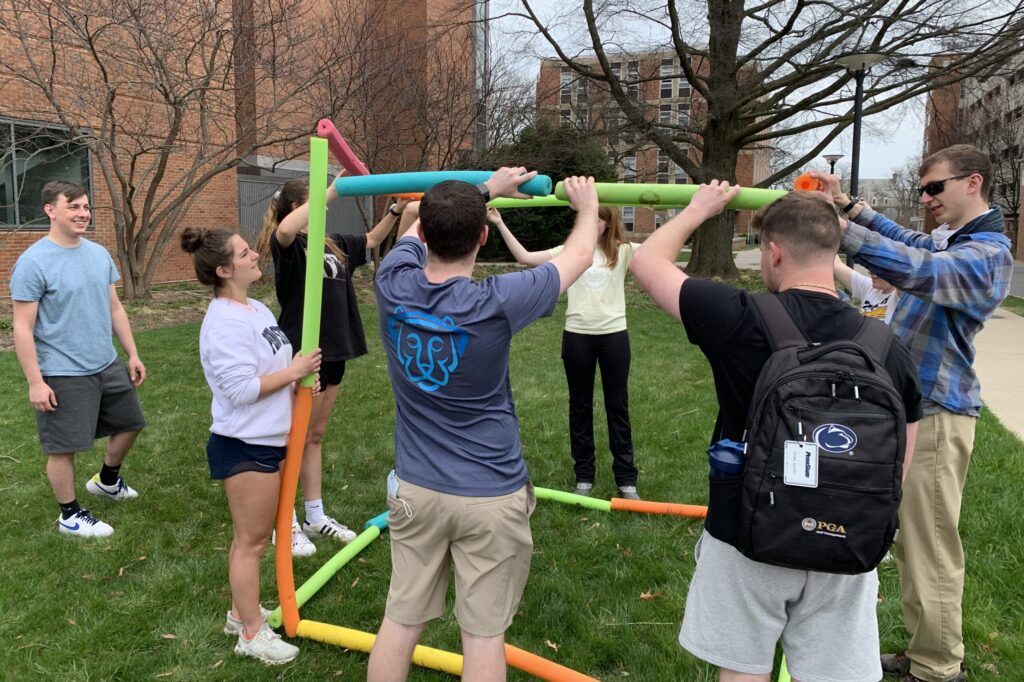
(1000, 353)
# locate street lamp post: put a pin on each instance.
(858, 64)
(831, 159)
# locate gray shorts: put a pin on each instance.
(738, 609)
(89, 407)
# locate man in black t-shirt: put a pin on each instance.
(738, 609)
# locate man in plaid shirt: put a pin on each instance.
(950, 286)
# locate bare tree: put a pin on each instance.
(169, 94)
(905, 181)
(767, 70)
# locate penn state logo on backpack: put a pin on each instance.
(428, 348)
(826, 435)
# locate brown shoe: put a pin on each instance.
(896, 664)
(960, 677)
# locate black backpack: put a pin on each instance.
(826, 414)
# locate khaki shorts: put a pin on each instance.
(488, 539)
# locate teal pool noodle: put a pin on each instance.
(749, 198)
(572, 498)
(380, 520)
(402, 183)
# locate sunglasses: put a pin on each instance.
(937, 187)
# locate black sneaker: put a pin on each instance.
(896, 664)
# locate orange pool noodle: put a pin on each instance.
(806, 183)
(285, 503)
(698, 511)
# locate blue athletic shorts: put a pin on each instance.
(229, 456)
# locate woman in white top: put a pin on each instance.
(595, 335)
(249, 367)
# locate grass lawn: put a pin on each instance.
(606, 592)
(1014, 304)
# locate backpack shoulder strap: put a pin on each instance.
(782, 331)
(876, 338)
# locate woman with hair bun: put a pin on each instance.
(341, 329)
(249, 367)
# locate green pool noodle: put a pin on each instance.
(403, 183)
(316, 581)
(314, 253)
(749, 198)
(784, 672)
(572, 498)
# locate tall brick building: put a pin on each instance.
(394, 121)
(652, 79)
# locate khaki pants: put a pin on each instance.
(928, 550)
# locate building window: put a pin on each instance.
(612, 124)
(582, 94)
(680, 176)
(633, 79)
(616, 68)
(629, 168)
(683, 117)
(665, 114)
(628, 218)
(565, 116)
(667, 69)
(31, 155)
(565, 86)
(662, 167)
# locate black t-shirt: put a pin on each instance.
(341, 328)
(721, 321)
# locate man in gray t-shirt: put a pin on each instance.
(461, 493)
(65, 308)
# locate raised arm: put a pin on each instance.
(654, 264)
(843, 273)
(294, 222)
(40, 394)
(578, 254)
(521, 255)
(387, 223)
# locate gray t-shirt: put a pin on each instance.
(456, 429)
(72, 286)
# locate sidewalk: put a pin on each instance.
(1000, 354)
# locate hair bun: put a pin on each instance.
(192, 238)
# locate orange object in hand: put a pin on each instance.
(806, 183)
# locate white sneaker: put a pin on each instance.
(233, 626)
(267, 646)
(119, 491)
(301, 546)
(329, 528)
(84, 525)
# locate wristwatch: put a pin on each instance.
(484, 191)
(391, 211)
(853, 202)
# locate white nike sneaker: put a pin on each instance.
(84, 525)
(120, 491)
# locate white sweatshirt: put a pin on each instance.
(237, 345)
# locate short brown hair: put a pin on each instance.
(807, 225)
(55, 189)
(452, 215)
(963, 159)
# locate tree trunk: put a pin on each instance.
(712, 254)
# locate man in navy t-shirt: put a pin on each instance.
(461, 493)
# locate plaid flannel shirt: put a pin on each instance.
(946, 297)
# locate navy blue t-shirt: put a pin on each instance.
(456, 429)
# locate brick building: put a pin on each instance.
(653, 79)
(36, 147)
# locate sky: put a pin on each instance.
(888, 140)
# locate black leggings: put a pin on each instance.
(581, 354)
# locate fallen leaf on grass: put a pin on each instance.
(551, 645)
(594, 525)
(648, 596)
(354, 583)
(991, 667)
(361, 560)
(141, 558)
(217, 664)
(168, 635)
(120, 572)
(71, 621)
(166, 674)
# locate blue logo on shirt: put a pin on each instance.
(835, 438)
(428, 348)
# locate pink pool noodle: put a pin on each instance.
(339, 148)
